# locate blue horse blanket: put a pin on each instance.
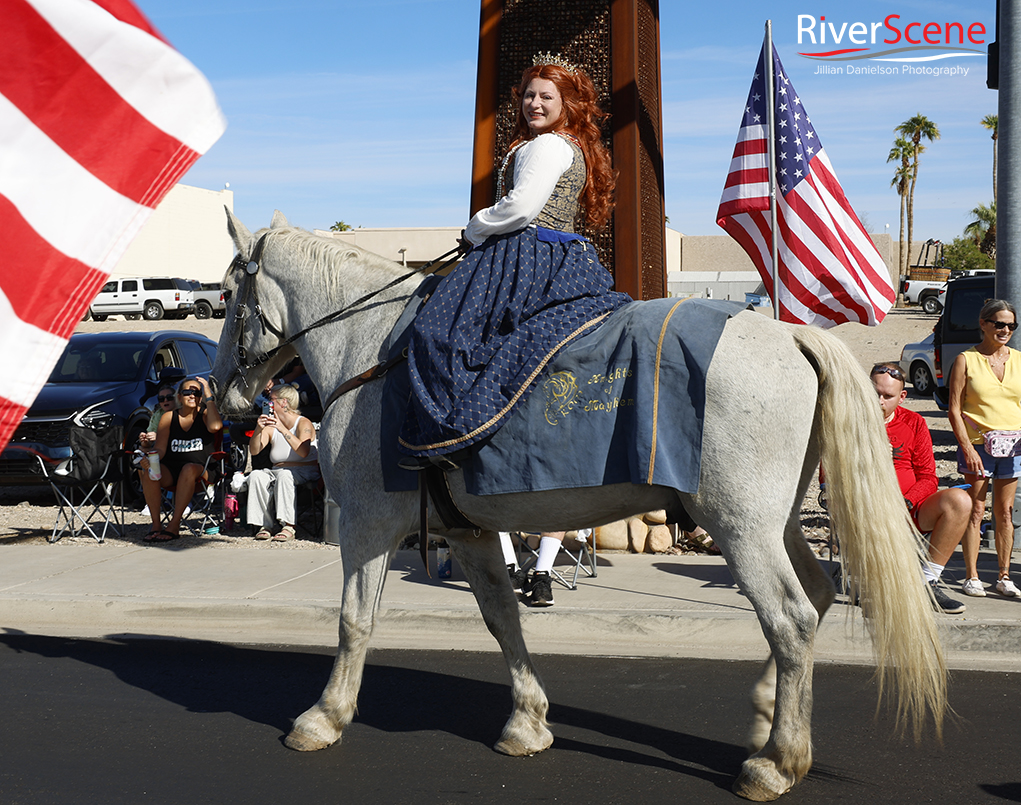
(624, 404)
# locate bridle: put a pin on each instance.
(243, 363)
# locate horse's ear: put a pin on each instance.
(278, 222)
(239, 233)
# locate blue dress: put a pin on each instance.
(482, 340)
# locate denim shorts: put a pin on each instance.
(1009, 467)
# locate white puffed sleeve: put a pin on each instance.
(538, 165)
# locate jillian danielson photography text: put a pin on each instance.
(904, 69)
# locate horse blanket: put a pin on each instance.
(599, 414)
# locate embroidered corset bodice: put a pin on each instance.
(561, 210)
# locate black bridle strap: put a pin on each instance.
(424, 270)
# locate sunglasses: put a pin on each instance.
(165, 398)
(999, 325)
(883, 369)
(191, 393)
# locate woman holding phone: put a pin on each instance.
(290, 438)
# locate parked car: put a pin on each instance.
(123, 371)
(917, 364)
(924, 293)
(929, 293)
(957, 329)
(153, 298)
(208, 299)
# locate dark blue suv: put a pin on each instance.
(100, 377)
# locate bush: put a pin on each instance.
(964, 255)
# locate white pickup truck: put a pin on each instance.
(924, 293)
(927, 292)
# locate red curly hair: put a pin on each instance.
(581, 118)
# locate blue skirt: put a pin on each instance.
(482, 340)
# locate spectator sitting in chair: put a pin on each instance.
(184, 440)
(290, 438)
(294, 374)
(942, 514)
(166, 401)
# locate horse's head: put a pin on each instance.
(253, 323)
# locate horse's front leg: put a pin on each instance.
(526, 731)
(322, 725)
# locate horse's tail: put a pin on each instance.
(878, 543)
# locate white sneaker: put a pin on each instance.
(974, 588)
(1006, 587)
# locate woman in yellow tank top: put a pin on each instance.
(985, 395)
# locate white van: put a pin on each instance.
(152, 298)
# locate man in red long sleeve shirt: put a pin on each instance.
(943, 514)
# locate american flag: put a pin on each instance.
(830, 271)
(99, 118)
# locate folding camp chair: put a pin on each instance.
(207, 502)
(582, 556)
(309, 505)
(91, 475)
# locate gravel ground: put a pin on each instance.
(27, 514)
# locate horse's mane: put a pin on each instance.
(331, 261)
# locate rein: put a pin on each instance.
(247, 289)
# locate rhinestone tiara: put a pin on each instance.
(549, 58)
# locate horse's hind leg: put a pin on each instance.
(788, 621)
(819, 588)
(526, 731)
(323, 723)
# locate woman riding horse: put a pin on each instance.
(530, 283)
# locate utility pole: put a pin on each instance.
(1008, 207)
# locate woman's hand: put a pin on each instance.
(147, 439)
(973, 460)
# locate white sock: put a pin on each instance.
(931, 571)
(549, 547)
(509, 556)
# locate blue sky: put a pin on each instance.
(363, 111)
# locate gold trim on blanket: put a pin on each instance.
(503, 412)
(655, 390)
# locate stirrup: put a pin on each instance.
(419, 463)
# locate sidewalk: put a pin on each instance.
(638, 605)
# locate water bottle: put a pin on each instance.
(230, 510)
(154, 465)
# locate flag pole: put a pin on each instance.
(767, 51)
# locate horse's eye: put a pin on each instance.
(227, 295)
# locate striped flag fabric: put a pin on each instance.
(830, 271)
(99, 118)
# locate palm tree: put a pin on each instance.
(901, 152)
(915, 128)
(992, 122)
(983, 228)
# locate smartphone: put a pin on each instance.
(267, 407)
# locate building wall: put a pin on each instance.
(186, 236)
(720, 255)
(419, 245)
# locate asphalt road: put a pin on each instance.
(188, 722)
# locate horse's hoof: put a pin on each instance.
(301, 742)
(522, 746)
(759, 781)
(312, 731)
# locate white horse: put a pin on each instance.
(778, 398)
